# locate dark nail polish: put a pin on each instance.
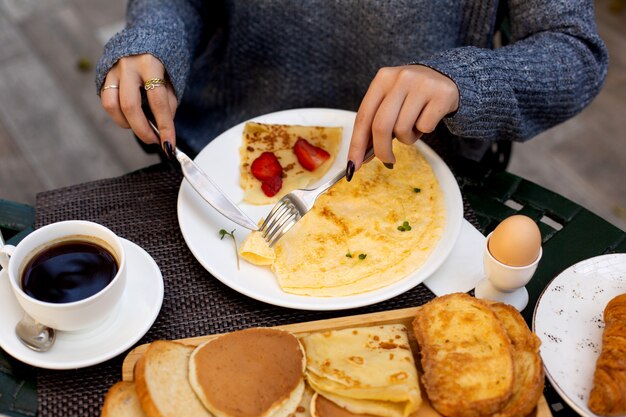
(169, 151)
(388, 165)
(349, 171)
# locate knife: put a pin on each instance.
(201, 182)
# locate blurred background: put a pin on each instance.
(54, 133)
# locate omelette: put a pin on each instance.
(366, 370)
(360, 236)
(280, 140)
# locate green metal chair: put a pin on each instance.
(18, 392)
(16, 220)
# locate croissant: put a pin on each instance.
(608, 395)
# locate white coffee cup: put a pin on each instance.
(75, 315)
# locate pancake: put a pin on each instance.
(280, 139)
(350, 241)
(304, 409)
(367, 370)
(249, 373)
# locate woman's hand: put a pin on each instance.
(123, 104)
(402, 102)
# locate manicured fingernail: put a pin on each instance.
(349, 171)
(388, 165)
(169, 151)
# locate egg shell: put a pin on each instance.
(516, 241)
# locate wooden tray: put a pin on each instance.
(402, 316)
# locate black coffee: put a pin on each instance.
(68, 271)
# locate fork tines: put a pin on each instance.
(282, 218)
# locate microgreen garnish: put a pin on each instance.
(417, 190)
(362, 256)
(404, 227)
(232, 235)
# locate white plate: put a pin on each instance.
(200, 223)
(139, 308)
(568, 320)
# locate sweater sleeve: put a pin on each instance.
(170, 30)
(554, 66)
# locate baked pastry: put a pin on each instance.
(122, 401)
(162, 381)
(466, 356)
(608, 395)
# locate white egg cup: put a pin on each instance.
(505, 283)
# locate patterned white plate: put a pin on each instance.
(568, 320)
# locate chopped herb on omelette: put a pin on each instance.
(276, 159)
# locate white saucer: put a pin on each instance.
(135, 315)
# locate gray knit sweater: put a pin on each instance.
(231, 60)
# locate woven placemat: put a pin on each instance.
(141, 207)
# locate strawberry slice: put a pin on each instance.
(271, 186)
(267, 169)
(309, 156)
(266, 166)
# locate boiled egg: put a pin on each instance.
(516, 241)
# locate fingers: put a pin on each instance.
(123, 104)
(405, 128)
(430, 116)
(159, 101)
(109, 99)
(404, 102)
(384, 122)
(172, 100)
(362, 132)
(130, 103)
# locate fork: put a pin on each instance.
(294, 205)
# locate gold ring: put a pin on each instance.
(106, 87)
(152, 83)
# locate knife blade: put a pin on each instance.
(201, 182)
(211, 193)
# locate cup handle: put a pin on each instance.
(5, 254)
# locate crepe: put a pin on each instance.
(367, 370)
(350, 241)
(255, 250)
(280, 139)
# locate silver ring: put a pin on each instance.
(106, 87)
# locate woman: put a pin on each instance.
(227, 61)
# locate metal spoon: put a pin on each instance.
(35, 335)
(30, 332)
